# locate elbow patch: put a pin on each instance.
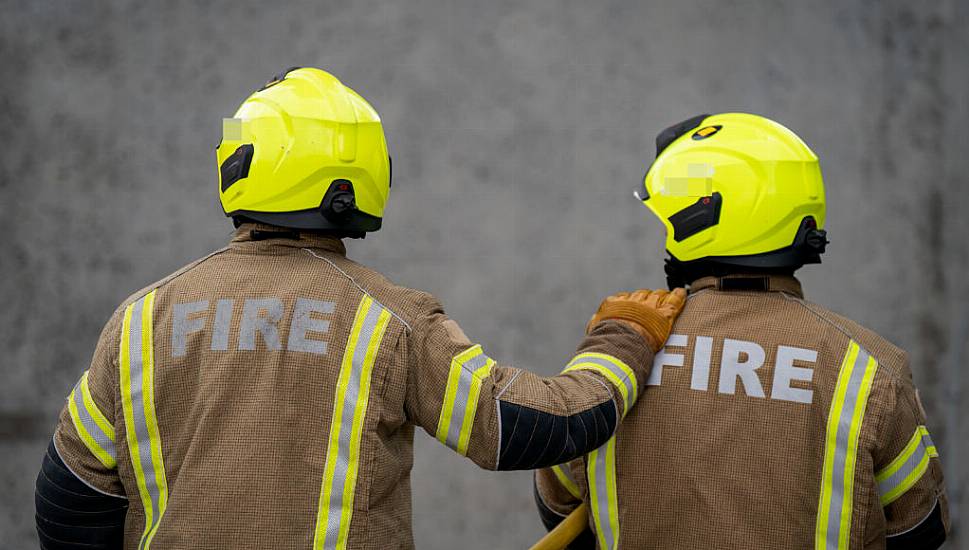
(70, 514)
(928, 535)
(534, 439)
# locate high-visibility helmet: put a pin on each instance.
(736, 190)
(305, 152)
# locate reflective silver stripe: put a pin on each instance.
(611, 367)
(342, 460)
(605, 505)
(465, 380)
(886, 485)
(102, 439)
(138, 410)
(851, 401)
(567, 472)
(907, 468)
(602, 492)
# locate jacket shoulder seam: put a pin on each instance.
(824, 318)
(359, 287)
(164, 281)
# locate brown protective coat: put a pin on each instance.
(705, 469)
(244, 433)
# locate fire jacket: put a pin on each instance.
(766, 422)
(266, 397)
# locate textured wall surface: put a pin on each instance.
(518, 131)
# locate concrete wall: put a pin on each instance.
(518, 132)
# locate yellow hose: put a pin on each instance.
(565, 532)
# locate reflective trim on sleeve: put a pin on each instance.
(137, 370)
(928, 443)
(564, 474)
(92, 426)
(904, 471)
(335, 508)
(617, 372)
(845, 417)
(468, 369)
(601, 465)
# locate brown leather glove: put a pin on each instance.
(649, 312)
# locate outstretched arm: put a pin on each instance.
(505, 418)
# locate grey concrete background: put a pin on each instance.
(518, 132)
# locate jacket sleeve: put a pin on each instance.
(72, 515)
(559, 490)
(82, 459)
(504, 418)
(908, 474)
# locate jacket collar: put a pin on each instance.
(750, 283)
(265, 236)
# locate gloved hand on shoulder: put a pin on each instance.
(649, 312)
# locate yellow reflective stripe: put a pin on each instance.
(566, 481)
(471, 407)
(103, 455)
(845, 418)
(148, 387)
(128, 410)
(323, 510)
(594, 498)
(453, 377)
(619, 366)
(335, 508)
(613, 492)
(927, 442)
(617, 372)
(460, 405)
(138, 406)
(852, 457)
(907, 482)
(837, 403)
(92, 409)
(357, 429)
(905, 470)
(907, 451)
(603, 496)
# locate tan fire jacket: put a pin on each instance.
(768, 422)
(265, 397)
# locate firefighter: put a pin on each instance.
(767, 421)
(266, 395)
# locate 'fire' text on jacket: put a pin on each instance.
(740, 359)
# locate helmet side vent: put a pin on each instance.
(702, 214)
(236, 166)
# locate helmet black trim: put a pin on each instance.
(669, 135)
(809, 243)
(277, 78)
(337, 212)
(665, 138)
(313, 219)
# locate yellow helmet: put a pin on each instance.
(735, 191)
(305, 152)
